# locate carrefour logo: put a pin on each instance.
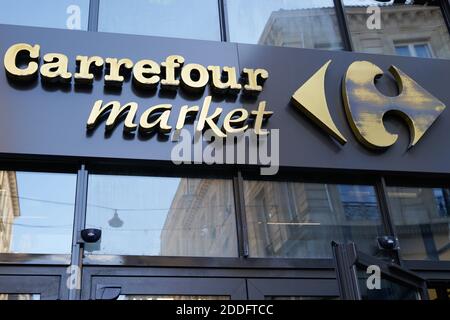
(365, 106)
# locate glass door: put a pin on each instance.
(129, 287)
(26, 287)
(363, 277)
(292, 289)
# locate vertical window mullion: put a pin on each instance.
(223, 21)
(94, 7)
(79, 224)
(445, 8)
(241, 220)
(384, 205)
(388, 223)
(412, 48)
(343, 25)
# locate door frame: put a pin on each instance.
(260, 288)
(233, 282)
(110, 287)
(348, 259)
(49, 282)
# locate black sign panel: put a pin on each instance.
(50, 120)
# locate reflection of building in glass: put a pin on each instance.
(411, 30)
(9, 208)
(422, 220)
(201, 220)
(301, 219)
(302, 28)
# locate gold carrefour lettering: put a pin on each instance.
(114, 78)
(172, 62)
(146, 74)
(11, 57)
(55, 68)
(86, 65)
(254, 78)
(231, 85)
(194, 77)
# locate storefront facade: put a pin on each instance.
(88, 119)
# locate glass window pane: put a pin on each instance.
(406, 24)
(36, 212)
(403, 51)
(422, 51)
(299, 220)
(288, 23)
(422, 220)
(390, 289)
(193, 19)
(62, 14)
(162, 216)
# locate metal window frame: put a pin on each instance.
(77, 253)
(31, 279)
(343, 25)
(445, 8)
(223, 21)
(94, 10)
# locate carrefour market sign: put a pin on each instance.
(365, 106)
(147, 74)
(111, 96)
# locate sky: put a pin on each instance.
(42, 13)
(47, 210)
(46, 203)
(142, 203)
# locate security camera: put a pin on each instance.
(387, 243)
(91, 235)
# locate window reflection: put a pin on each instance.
(62, 14)
(162, 216)
(299, 220)
(422, 220)
(193, 19)
(390, 289)
(288, 23)
(36, 212)
(403, 29)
